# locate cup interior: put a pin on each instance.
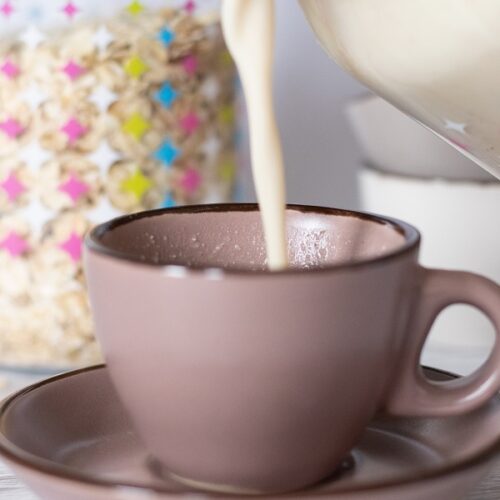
(231, 237)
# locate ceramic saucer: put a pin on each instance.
(68, 438)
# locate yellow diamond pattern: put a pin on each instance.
(137, 184)
(226, 114)
(135, 67)
(135, 8)
(136, 126)
(227, 171)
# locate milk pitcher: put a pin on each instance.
(435, 61)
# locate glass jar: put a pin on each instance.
(107, 108)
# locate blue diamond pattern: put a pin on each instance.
(167, 153)
(166, 95)
(169, 201)
(166, 36)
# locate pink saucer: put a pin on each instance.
(68, 438)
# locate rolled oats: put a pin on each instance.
(128, 113)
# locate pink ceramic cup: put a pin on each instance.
(244, 379)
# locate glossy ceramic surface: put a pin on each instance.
(435, 61)
(69, 438)
(269, 378)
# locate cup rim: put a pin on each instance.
(94, 244)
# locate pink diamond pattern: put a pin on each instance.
(190, 64)
(190, 122)
(11, 128)
(73, 247)
(191, 180)
(14, 244)
(74, 130)
(190, 6)
(7, 8)
(12, 186)
(73, 70)
(74, 188)
(71, 10)
(9, 69)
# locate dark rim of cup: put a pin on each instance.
(93, 241)
(22, 458)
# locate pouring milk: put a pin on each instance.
(437, 60)
(241, 19)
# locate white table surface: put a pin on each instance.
(460, 361)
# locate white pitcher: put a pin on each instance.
(435, 60)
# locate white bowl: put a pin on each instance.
(392, 142)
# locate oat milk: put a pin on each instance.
(249, 31)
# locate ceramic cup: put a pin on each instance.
(242, 379)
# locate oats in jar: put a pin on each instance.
(104, 118)
(69, 182)
(133, 186)
(16, 182)
(71, 126)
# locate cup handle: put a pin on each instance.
(414, 394)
